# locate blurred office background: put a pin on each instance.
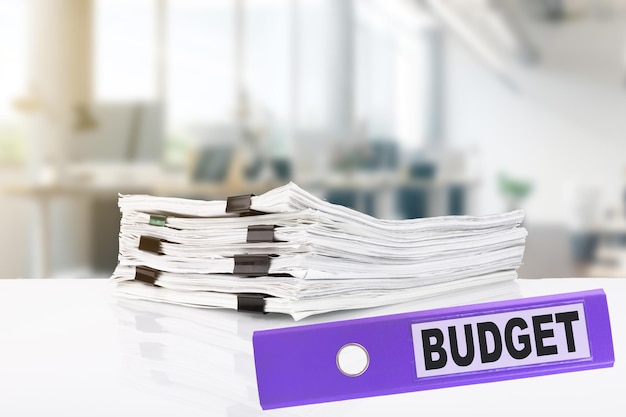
(399, 108)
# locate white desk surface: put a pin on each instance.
(67, 348)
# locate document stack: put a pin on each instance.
(287, 251)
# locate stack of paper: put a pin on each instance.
(287, 251)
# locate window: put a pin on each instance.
(13, 82)
(391, 71)
(307, 70)
(200, 62)
(267, 62)
(125, 50)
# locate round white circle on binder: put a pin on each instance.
(352, 359)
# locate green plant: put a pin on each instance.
(514, 190)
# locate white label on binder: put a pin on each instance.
(501, 340)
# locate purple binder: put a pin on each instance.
(433, 349)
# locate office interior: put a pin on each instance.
(398, 108)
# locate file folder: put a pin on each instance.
(433, 349)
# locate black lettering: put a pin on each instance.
(523, 339)
(567, 319)
(540, 334)
(430, 349)
(490, 327)
(454, 346)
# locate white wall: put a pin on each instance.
(563, 127)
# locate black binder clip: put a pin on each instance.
(241, 205)
(146, 275)
(157, 220)
(260, 233)
(251, 302)
(252, 265)
(150, 244)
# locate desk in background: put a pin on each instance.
(96, 186)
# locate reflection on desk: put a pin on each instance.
(202, 359)
(68, 348)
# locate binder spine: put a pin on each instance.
(434, 349)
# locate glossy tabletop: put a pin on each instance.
(68, 348)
